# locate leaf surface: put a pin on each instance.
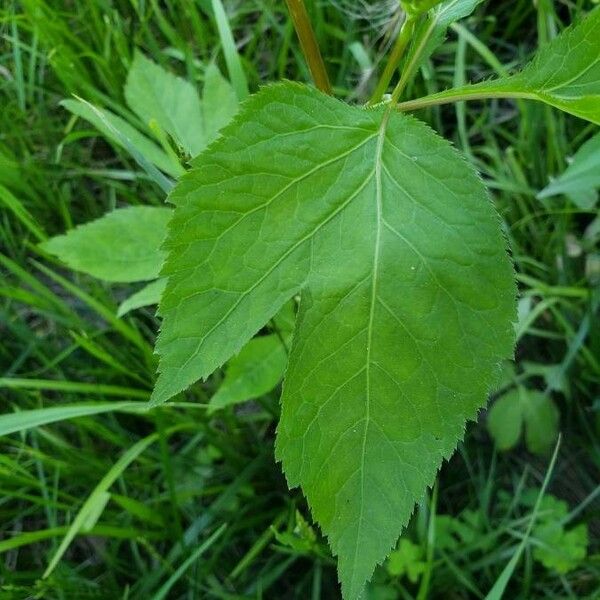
(407, 299)
(122, 246)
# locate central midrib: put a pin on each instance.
(374, 280)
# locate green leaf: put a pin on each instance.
(124, 135)
(431, 32)
(557, 547)
(407, 560)
(520, 409)
(219, 103)
(541, 419)
(148, 295)
(581, 179)
(407, 299)
(255, 371)
(565, 73)
(560, 550)
(121, 246)
(259, 367)
(505, 421)
(155, 94)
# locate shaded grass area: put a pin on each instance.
(199, 509)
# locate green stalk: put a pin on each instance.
(402, 41)
(309, 45)
(460, 95)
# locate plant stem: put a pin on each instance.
(402, 41)
(459, 96)
(309, 45)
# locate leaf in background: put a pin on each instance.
(148, 295)
(124, 135)
(541, 418)
(520, 409)
(219, 103)
(565, 73)
(408, 559)
(407, 299)
(557, 547)
(505, 421)
(581, 178)
(156, 94)
(255, 371)
(122, 246)
(431, 32)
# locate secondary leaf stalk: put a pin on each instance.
(460, 95)
(309, 45)
(402, 41)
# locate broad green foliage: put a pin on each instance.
(565, 74)
(581, 179)
(156, 95)
(121, 246)
(524, 409)
(407, 299)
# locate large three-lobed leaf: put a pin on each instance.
(406, 299)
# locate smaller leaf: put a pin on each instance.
(526, 409)
(148, 295)
(122, 246)
(121, 133)
(154, 93)
(219, 103)
(407, 560)
(541, 421)
(255, 371)
(565, 73)
(559, 549)
(431, 32)
(505, 421)
(302, 539)
(581, 179)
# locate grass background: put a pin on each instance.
(202, 510)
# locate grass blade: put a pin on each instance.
(29, 419)
(98, 495)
